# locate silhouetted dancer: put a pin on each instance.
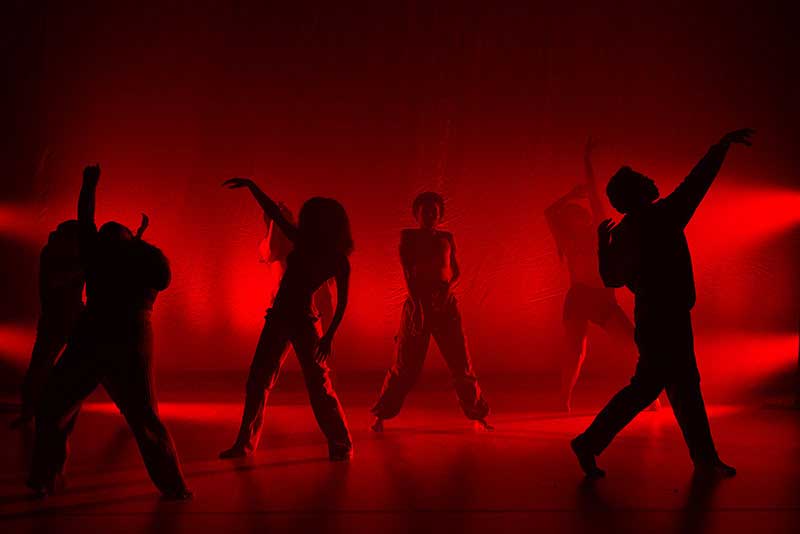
(112, 345)
(572, 226)
(61, 297)
(428, 257)
(322, 243)
(274, 249)
(647, 252)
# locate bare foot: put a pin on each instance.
(482, 424)
(377, 425)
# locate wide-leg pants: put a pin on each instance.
(279, 331)
(666, 361)
(117, 354)
(417, 325)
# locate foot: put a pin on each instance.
(340, 453)
(234, 452)
(377, 425)
(716, 468)
(182, 494)
(483, 424)
(586, 459)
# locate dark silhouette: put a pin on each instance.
(61, 281)
(322, 244)
(428, 256)
(275, 249)
(572, 226)
(647, 252)
(112, 345)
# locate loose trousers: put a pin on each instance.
(279, 331)
(666, 361)
(118, 355)
(418, 323)
(52, 333)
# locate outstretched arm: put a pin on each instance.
(598, 209)
(270, 207)
(687, 196)
(342, 293)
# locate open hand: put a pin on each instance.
(323, 349)
(91, 174)
(236, 183)
(741, 137)
(604, 232)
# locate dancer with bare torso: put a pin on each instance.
(587, 300)
(428, 256)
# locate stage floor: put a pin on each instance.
(431, 469)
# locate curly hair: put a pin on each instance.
(426, 198)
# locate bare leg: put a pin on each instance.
(575, 342)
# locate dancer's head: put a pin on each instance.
(65, 237)
(428, 209)
(113, 231)
(629, 191)
(323, 225)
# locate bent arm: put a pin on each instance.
(687, 196)
(453, 261)
(342, 294)
(273, 211)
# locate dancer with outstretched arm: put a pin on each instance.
(322, 243)
(648, 252)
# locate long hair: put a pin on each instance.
(323, 226)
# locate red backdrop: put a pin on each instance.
(489, 105)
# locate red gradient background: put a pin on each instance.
(374, 103)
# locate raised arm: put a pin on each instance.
(342, 294)
(270, 207)
(87, 233)
(598, 208)
(683, 202)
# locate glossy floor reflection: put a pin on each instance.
(430, 470)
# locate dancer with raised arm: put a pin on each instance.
(322, 244)
(587, 300)
(428, 257)
(648, 252)
(112, 345)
